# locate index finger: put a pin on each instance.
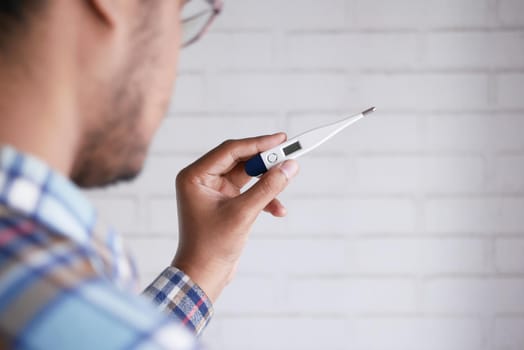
(223, 158)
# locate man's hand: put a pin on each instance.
(215, 218)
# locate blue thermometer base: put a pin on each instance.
(255, 166)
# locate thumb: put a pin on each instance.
(268, 187)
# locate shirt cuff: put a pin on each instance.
(174, 292)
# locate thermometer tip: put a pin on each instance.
(369, 110)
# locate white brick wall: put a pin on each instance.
(404, 232)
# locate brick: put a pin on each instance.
(163, 215)
(475, 215)
(189, 93)
(394, 174)
(269, 92)
(468, 215)
(475, 132)
(469, 49)
(509, 255)
(159, 174)
(310, 256)
(378, 133)
(304, 333)
(273, 14)
(152, 255)
(509, 173)
(246, 91)
(509, 132)
(351, 50)
(465, 13)
(246, 14)
(412, 256)
(266, 224)
(199, 135)
(352, 295)
(511, 12)
(157, 177)
(336, 172)
(511, 218)
(509, 90)
(121, 213)
(474, 296)
(229, 50)
(453, 174)
(415, 14)
(315, 90)
(410, 332)
(508, 333)
(422, 92)
(459, 132)
(385, 14)
(266, 291)
(213, 334)
(305, 13)
(347, 216)
(119, 190)
(389, 174)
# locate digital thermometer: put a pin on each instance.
(299, 145)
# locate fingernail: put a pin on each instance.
(289, 168)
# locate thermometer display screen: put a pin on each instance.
(292, 148)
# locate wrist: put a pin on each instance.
(212, 278)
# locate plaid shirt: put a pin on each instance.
(66, 281)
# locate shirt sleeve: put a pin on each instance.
(93, 314)
(175, 293)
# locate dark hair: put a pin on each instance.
(14, 17)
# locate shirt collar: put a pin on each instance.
(32, 188)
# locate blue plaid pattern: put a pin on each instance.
(66, 280)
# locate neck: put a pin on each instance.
(36, 114)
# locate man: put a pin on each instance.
(84, 85)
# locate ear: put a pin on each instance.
(108, 11)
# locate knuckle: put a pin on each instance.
(228, 143)
(232, 147)
(180, 178)
(183, 177)
(271, 183)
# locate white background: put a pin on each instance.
(404, 232)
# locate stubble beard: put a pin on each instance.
(113, 151)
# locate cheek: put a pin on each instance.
(168, 47)
(159, 93)
(161, 78)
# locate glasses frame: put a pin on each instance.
(215, 8)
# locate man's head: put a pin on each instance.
(115, 61)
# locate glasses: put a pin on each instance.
(197, 17)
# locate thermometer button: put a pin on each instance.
(272, 157)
